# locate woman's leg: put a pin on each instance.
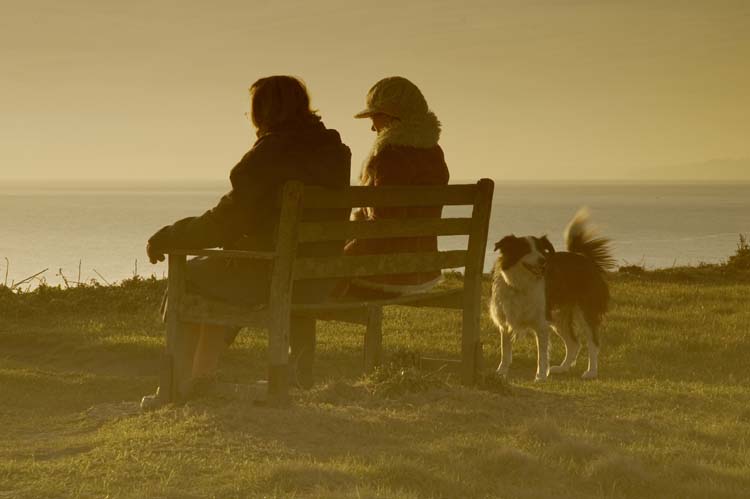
(183, 364)
(211, 344)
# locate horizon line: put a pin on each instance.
(215, 180)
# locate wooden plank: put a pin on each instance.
(373, 350)
(280, 301)
(176, 340)
(448, 299)
(302, 350)
(374, 229)
(252, 255)
(176, 268)
(452, 298)
(166, 385)
(470, 339)
(197, 309)
(352, 315)
(362, 196)
(370, 265)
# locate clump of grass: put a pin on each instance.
(338, 391)
(632, 269)
(541, 431)
(130, 295)
(617, 471)
(577, 450)
(741, 258)
(506, 461)
(492, 382)
(402, 375)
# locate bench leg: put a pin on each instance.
(278, 384)
(176, 368)
(302, 346)
(374, 339)
(166, 382)
(471, 349)
(278, 359)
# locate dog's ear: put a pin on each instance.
(546, 245)
(505, 242)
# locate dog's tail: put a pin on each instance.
(580, 238)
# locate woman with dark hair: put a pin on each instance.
(405, 152)
(292, 144)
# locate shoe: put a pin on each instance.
(151, 402)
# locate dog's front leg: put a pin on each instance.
(506, 351)
(542, 349)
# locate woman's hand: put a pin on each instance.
(358, 215)
(154, 255)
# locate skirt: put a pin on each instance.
(244, 283)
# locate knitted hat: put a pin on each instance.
(395, 96)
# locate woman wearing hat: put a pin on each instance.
(405, 152)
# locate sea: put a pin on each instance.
(98, 231)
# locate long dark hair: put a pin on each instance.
(280, 101)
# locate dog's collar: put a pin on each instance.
(516, 289)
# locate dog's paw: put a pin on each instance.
(559, 369)
(589, 375)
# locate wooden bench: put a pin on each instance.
(277, 315)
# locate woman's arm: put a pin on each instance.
(222, 224)
(212, 229)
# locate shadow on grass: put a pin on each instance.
(70, 387)
(46, 393)
(448, 442)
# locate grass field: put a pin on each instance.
(669, 416)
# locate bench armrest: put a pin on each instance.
(248, 255)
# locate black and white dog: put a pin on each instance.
(535, 288)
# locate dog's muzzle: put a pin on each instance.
(537, 270)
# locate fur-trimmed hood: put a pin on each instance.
(422, 132)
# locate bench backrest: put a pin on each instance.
(292, 229)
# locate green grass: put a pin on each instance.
(669, 416)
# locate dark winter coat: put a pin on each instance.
(246, 217)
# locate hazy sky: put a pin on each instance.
(534, 89)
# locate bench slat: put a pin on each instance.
(374, 229)
(251, 255)
(362, 196)
(199, 309)
(352, 315)
(369, 265)
(440, 299)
